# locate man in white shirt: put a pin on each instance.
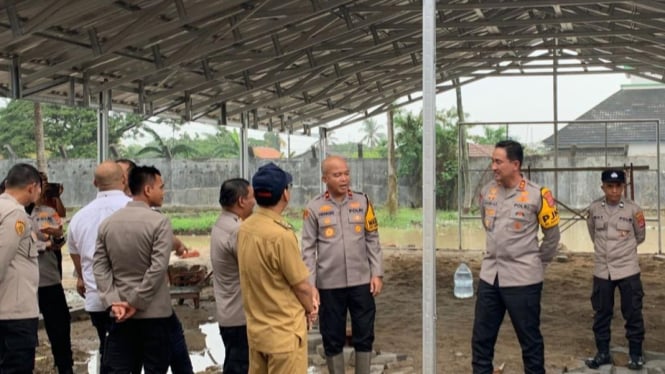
(82, 238)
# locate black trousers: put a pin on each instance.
(102, 322)
(523, 306)
(335, 303)
(236, 348)
(137, 343)
(57, 322)
(602, 301)
(180, 361)
(18, 339)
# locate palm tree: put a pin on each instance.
(372, 133)
(162, 148)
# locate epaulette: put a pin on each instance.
(284, 224)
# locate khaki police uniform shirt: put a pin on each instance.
(270, 264)
(226, 280)
(511, 218)
(340, 241)
(19, 271)
(132, 258)
(615, 233)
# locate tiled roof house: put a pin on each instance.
(633, 102)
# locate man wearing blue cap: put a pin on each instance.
(274, 281)
(616, 226)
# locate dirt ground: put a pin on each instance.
(566, 315)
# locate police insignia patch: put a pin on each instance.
(549, 198)
(305, 214)
(639, 217)
(19, 227)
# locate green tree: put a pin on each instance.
(165, 148)
(372, 131)
(408, 142)
(491, 135)
(71, 129)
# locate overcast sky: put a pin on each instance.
(522, 99)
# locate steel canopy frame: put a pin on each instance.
(303, 63)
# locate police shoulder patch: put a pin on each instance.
(639, 218)
(19, 226)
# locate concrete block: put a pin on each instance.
(623, 370)
(376, 369)
(385, 358)
(659, 257)
(404, 370)
(561, 258)
(654, 356)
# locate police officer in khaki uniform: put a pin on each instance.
(616, 226)
(19, 271)
(511, 276)
(274, 282)
(236, 196)
(340, 241)
(130, 264)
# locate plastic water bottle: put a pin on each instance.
(463, 282)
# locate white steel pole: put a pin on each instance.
(429, 185)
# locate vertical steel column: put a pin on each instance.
(15, 77)
(660, 237)
(460, 193)
(323, 152)
(429, 209)
(244, 151)
(103, 107)
(555, 103)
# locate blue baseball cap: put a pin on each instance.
(269, 183)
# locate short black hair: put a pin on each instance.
(232, 190)
(127, 161)
(2, 186)
(514, 150)
(139, 176)
(21, 175)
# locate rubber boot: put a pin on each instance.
(363, 360)
(336, 364)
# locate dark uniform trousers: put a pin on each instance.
(332, 318)
(102, 322)
(523, 306)
(602, 301)
(57, 322)
(236, 349)
(137, 343)
(18, 339)
(180, 361)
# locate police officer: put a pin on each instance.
(616, 226)
(340, 241)
(236, 196)
(276, 294)
(19, 271)
(511, 276)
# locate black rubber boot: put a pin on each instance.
(602, 358)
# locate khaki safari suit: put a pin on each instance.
(340, 246)
(228, 300)
(616, 231)
(130, 264)
(19, 279)
(270, 264)
(512, 271)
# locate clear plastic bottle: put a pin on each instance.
(463, 282)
